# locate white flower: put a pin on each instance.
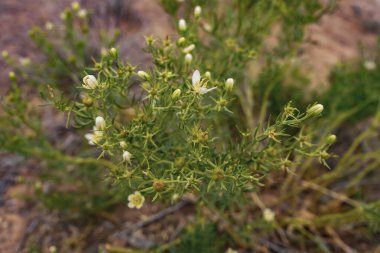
(127, 156)
(100, 123)
(123, 144)
(198, 85)
(188, 49)
(90, 82)
(207, 27)
(136, 200)
(49, 26)
(229, 250)
(94, 137)
(52, 249)
(188, 58)
(370, 65)
(268, 215)
(82, 13)
(182, 25)
(25, 61)
(229, 84)
(197, 11)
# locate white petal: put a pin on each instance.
(90, 138)
(130, 205)
(196, 77)
(86, 87)
(204, 90)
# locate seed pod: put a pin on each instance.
(158, 185)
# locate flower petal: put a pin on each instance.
(196, 77)
(204, 90)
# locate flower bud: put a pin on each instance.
(64, 15)
(182, 25)
(197, 11)
(188, 49)
(175, 197)
(5, 54)
(123, 145)
(179, 162)
(90, 82)
(149, 40)
(315, 110)
(188, 58)
(143, 75)
(12, 75)
(331, 139)
(181, 41)
(100, 123)
(127, 156)
(113, 52)
(75, 6)
(229, 85)
(208, 75)
(176, 94)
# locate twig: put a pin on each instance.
(331, 193)
(160, 215)
(32, 226)
(339, 241)
(276, 248)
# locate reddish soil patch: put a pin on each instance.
(337, 37)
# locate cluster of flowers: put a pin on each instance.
(199, 86)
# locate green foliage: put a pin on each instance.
(73, 183)
(67, 50)
(202, 238)
(354, 87)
